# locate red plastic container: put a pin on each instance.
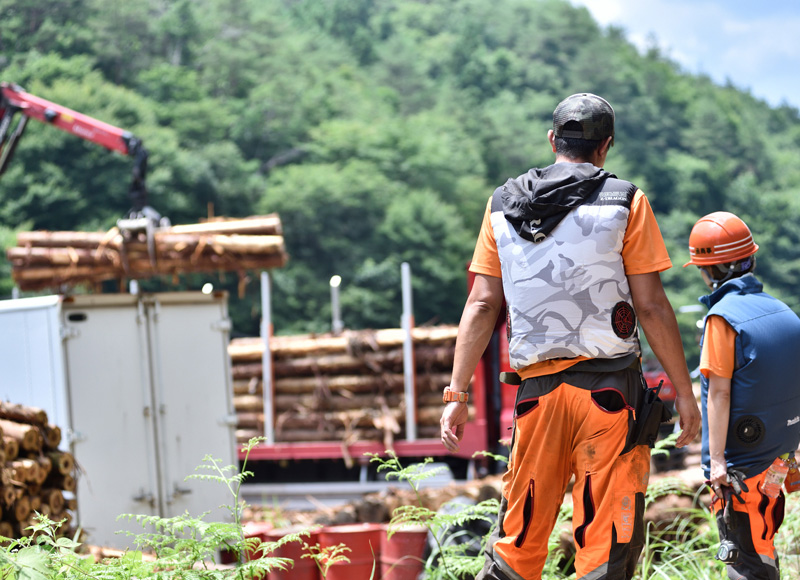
(402, 552)
(251, 530)
(304, 568)
(364, 541)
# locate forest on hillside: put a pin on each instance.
(377, 129)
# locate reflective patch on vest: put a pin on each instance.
(623, 320)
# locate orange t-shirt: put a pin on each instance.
(719, 347)
(643, 252)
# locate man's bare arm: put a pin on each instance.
(719, 413)
(661, 329)
(474, 331)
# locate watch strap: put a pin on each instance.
(450, 395)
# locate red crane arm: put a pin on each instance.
(15, 99)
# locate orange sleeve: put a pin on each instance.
(719, 344)
(485, 259)
(643, 249)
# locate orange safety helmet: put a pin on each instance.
(720, 238)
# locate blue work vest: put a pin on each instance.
(765, 388)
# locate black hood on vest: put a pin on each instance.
(536, 202)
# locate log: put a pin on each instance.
(248, 403)
(251, 349)
(250, 421)
(22, 414)
(246, 371)
(10, 447)
(427, 358)
(350, 383)
(218, 243)
(267, 224)
(27, 436)
(25, 526)
(335, 435)
(338, 364)
(6, 530)
(52, 436)
(45, 467)
(8, 494)
(24, 470)
(333, 403)
(263, 224)
(63, 462)
(45, 259)
(251, 386)
(61, 481)
(45, 276)
(44, 238)
(54, 498)
(244, 435)
(330, 421)
(21, 509)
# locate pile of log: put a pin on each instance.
(344, 388)
(45, 259)
(36, 477)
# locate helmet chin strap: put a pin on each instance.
(745, 265)
(728, 275)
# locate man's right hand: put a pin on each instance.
(690, 419)
(454, 417)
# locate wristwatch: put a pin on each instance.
(451, 395)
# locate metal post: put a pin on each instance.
(408, 354)
(266, 359)
(336, 314)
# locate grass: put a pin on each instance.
(185, 547)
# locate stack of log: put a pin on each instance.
(36, 477)
(45, 259)
(344, 388)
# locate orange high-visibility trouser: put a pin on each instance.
(576, 425)
(752, 527)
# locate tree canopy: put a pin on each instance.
(377, 130)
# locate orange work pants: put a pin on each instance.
(752, 526)
(575, 426)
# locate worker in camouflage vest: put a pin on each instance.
(575, 254)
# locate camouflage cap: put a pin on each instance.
(592, 115)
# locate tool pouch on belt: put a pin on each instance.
(650, 413)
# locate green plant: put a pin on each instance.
(325, 557)
(178, 547)
(182, 547)
(449, 559)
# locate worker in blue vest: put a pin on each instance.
(750, 389)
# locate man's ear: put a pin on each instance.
(605, 146)
(552, 138)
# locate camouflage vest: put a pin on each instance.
(567, 295)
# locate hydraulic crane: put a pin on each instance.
(15, 101)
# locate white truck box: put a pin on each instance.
(141, 388)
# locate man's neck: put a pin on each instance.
(565, 159)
